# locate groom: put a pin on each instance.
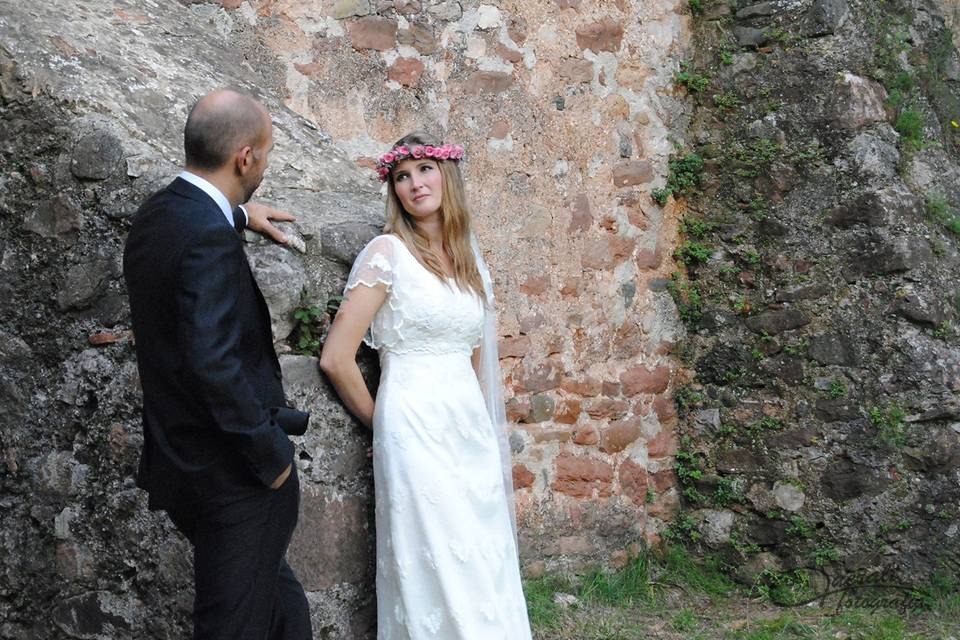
(216, 455)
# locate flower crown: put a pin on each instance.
(390, 159)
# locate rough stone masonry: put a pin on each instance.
(565, 109)
(816, 364)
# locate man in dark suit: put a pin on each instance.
(216, 455)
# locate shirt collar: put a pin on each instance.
(212, 191)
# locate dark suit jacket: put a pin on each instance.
(212, 393)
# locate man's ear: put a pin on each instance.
(244, 159)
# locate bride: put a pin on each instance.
(420, 294)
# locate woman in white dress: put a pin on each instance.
(447, 565)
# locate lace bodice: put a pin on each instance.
(421, 314)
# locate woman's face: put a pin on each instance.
(419, 186)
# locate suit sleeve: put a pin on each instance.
(212, 270)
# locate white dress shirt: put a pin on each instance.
(215, 194)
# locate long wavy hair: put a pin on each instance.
(454, 217)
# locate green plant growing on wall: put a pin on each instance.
(683, 529)
(687, 298)
(692, 253)
(751, 258)
(696, 228)
(799, 528)
(824, 555)
(310, 323)
(837, 388)
(891, 428)
(685, 175)
(687, 463)
(764, 425)
(696, 7)
(753, 158)
(693, 81)
(786, 588)
(909, 124)
(686, 398)
(725, 493)
(940, 210)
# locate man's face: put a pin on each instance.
(261, 152)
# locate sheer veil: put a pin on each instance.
(491, 381)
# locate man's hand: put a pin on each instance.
(260, 216)
(281, 478)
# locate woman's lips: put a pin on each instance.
(420, 197)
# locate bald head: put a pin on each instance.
(220, 124)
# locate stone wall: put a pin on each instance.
(822, 430)
(566, 110)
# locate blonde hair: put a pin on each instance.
(454, 222)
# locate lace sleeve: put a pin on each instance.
(373, 266)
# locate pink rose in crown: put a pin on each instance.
(418, 152)
(430, 152)
(402, 152)
(384, 172)
(443, 152)
(388, 157)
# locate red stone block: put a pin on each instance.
(580, 216)
(611, 389)
(522, 477)
(514, 346)
(517, 409)
(539, 378)
(576, 70)
(639, 379)
(665, 407)
(109, 337)
(373, 32)
(606, 252)
(406, 71)
(568, 411)
(310, 68)
(602, 408)
(571, 287)
(649, 259)
(663, 444)
(586, 436)
(605, 35)
(632, 172)
(663, 480)
(587, 387)
(633, 481)
(580, 477)
(664, 506)
(535, 285)
(619, 435)
(508, 54)
(488, 82)
(499, 130)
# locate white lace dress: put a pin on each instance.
(446, 556)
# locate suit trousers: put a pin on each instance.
(245, 590)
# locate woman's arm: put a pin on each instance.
(339, 357)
